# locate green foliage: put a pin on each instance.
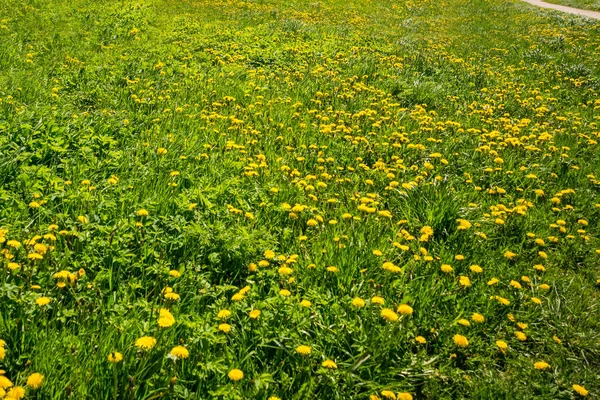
(315, 161)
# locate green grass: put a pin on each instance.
(332, 133)
(593, 5)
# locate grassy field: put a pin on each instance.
(298, 200)
(584, 4)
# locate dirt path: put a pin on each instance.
(570, 10)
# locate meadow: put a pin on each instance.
(593, 5)
(256, 199)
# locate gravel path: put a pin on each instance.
(570, 10)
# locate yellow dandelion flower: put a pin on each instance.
(358, 302)
(179, 352)
(476, 269)
(464, 281)
(254, 314)
(145, 343)
(405, 309)
(35, 380)
(304, 350)
(5, 383)
(389, 315)
(165, 318)
(16, 393)
(115, 357)
(521, 336)
(388, 394)
(478, 318)
(237, 297)
(446, 268)
(235, 375)
(502, 345)
(329, 364)
(541, 365)
(42, 301)
(460, 340)
(580, 390)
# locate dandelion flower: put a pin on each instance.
(42, 301)
(502, 345)
(179, 352)
(16, 393)
(377, 300)
(460, 340)
(405, 309)
(388, 394)
(476, 269)
(269, 254)
(580, 390)
(224, 328)
(388, 266)
(464, 281)
(115, 357)
(541, 365)
(285, 270)
(329, 364)
(478, 317)
(404, 396)
(521, 336)
(304, 350)
(165, 318)
(389, 315)
(305, 303)
(235, 375)
(463, 224)
(145, 342)
(254, 314)
(446, 268)
(5, 383)
(223, 314)
(237, 297)
(35, 380)
(358, 302)
(420, 340)
(557, 339)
